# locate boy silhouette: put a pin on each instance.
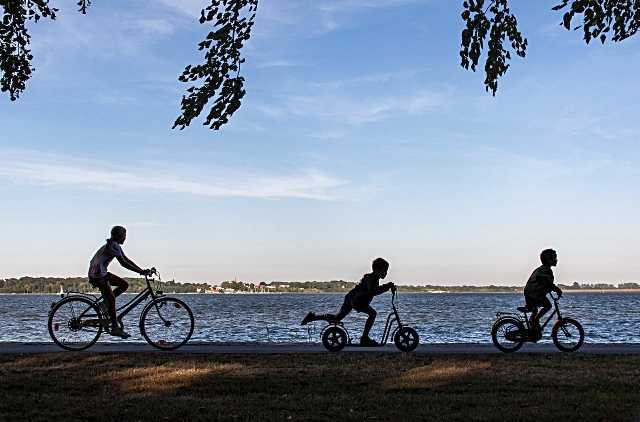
(359, 298)
(539, 285)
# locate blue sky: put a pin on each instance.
(360, 136)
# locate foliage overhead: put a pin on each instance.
(489, 26)
(501, 25)
(15, 55)
(220, 72)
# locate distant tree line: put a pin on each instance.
(81, 284)
(43, 285)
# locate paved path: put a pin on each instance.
(311, 348)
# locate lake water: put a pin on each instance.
(439, 318)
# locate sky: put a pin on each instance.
(360, 136)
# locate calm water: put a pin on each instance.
(439, 318)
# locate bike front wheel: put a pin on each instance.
(75, 323)
(166, 323)
(567, 335)
(406, 339)
(507, 334)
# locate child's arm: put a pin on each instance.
(130, 265)
(384, 288)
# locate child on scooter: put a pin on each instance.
(539, 285)
(359, 298)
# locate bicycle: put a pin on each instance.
(335, 336)
(510, 330)
(77, 321)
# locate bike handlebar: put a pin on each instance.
(152, 272)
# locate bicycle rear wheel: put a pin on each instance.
(506, 334)
(75, 323)
(167, 323)
(568, 335)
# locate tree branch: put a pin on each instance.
(232, 28)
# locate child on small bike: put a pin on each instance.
(359, 298)
(539, 285)
(100, 278)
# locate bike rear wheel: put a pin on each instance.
(567, 335)
(504, 334)
(334, 338)
(75, 323)
(167, 323)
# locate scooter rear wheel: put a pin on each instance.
(334, 338)
(406, 339)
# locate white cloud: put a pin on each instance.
(277, 63)
(190, 8)
(339, 6)
(156, 26)
(57, 170)
(353, 109)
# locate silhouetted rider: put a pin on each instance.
(539, 285)
(359, 298)
(102, 279)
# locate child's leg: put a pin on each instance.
(545, 307)
(343, 312)
(121, 285)
(109, 298)
(370, 320)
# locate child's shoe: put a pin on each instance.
(310, 317)
(366, 341)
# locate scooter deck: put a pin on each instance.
(368, 346)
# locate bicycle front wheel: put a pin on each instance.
(75, 323)
(166, 323)
(568, 335)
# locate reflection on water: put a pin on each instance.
(439, 318)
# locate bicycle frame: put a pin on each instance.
(526, 320)
(123, 310)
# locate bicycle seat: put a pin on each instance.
(523, 309)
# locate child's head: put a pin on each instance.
(380, 267)
(549, 257)
(118, 234)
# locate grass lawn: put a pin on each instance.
(345, 386)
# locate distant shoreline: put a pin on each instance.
(603, 291)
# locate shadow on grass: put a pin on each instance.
(349, 386)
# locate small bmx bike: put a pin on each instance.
(335, 336)
(510, 330)
(77, 321)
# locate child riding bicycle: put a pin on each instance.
(359, 298)
(539, 285)
(102, 279)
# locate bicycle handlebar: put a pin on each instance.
(153, 272)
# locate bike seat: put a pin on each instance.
(524, 309)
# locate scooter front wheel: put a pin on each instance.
(334, 338)
(406, 339)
